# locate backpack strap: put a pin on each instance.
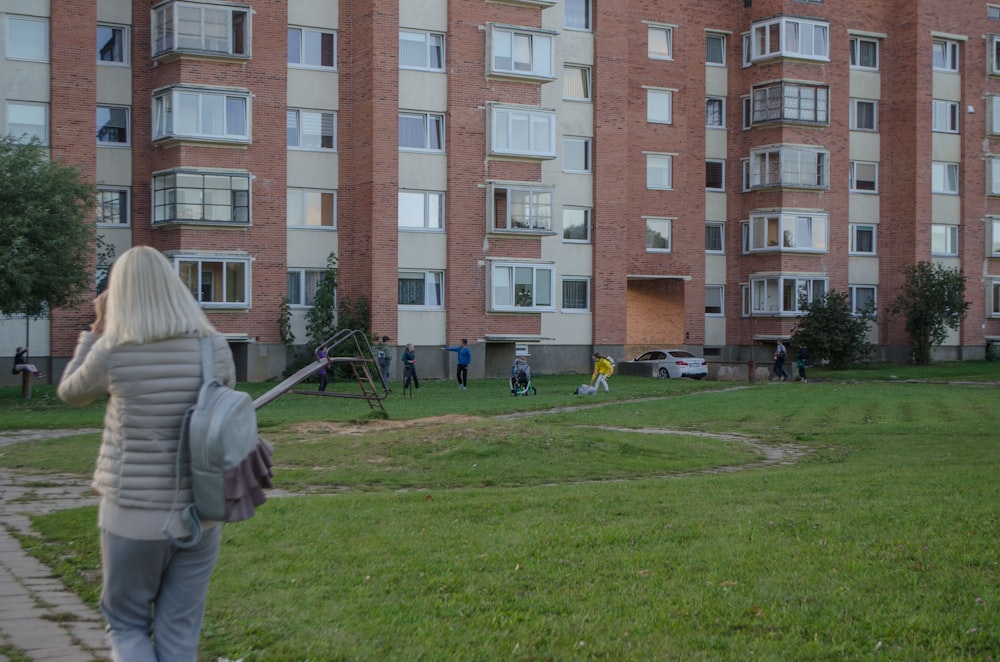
(189, 514)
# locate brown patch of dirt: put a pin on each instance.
(368, 427)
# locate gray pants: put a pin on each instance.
(154, 595)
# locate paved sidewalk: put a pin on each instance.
(38, 616)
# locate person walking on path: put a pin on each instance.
(780, 353)
(143, 352)
(21, 363)
(321, 373)
(464, 359)
(384, 360)
(802, 360)
(602, 370)
(410, 368)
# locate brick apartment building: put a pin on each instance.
(568, 175)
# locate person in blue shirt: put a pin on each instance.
(464, 359)
(321, 373)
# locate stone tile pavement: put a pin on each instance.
(39, 618)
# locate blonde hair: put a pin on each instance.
(147, 301)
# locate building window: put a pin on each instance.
(521, 209)
(216, 282)
(944, 240)
(576, 224)
(521, 53)
(576, 294)
(715, 113)
(659, 173)
(715, 49)
(112, 206)
(113, 125)
(311, 129)
(302, 286)
(715, 175)
(421, 210)
(188, 26)
(789, 166)
(994, 175)
(994, 54)
(421, 131)
(576, 83)
(658, 237)
(785, 295)
(993, 12)
(994, 238)
(421, 50)
(994, 109)
(28, 120)
(423, 289)
(181, 197)
(864, 177)
(747, 112)
(944, 116)
(27, 39)
(789, 232)
(311, 208)
(862, 239)
(791, 102)
(577, 14)
(660, 42)
(864, 115)
(945, 55)
(862, 299)
(714, 237)
(747, 40)
(714, 296)
(188, 113)
(523, 132)
(996, 298)
(315, 49)
(791, 37)
(864, 53)
(112, 44)
(576, 155)
(523, 287)
(659, 106)
(944, 177)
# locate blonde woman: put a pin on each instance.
(143, 352)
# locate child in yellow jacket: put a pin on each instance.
(602, 370)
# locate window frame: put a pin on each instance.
(720, 309)
(762, 170)
(587, 216)
(721, 164)
(43, 135)
(762, 32)
(995, 290)
(856, 243)
(668, 32)
(587, 15)
(993, 176)
(428, 49)
(127, 128)
(948, 49)
(305, 52)
(944, 116)
(307, 210)
(574, 310)
(428, 222)
(299, 126)
(123, 204)
(518, 302)
(429, 120)
(570, 72)
(167, 109)
(852, 296)
(720, 103)
(994, 239)
(853, 178)
(949, 233)
(815, 286)
(662, 227)
(771, 232)
(163, 199)
(536, 67)
(856, 124)
(721, 227)
(532, 200)
(225, 261)
(722, 50)
(509, 119)
(164, 41)
(433, 288)
(772, 102)
(306, 290)
(856, 53)
(587, 155)
(659, 118)
(42, 53)
(949, 183)
(666, 164)
(124, 48)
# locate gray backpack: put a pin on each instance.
(230, 463)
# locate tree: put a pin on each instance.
(46, 239)
(933, 301)
(833, 333)
(321, 320)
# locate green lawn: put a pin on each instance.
(446, 533)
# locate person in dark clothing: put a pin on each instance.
(321, 373)
(21, 363)
(779, 362)
(410, 368)
(464, 359)
(801, 360)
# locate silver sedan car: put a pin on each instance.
(674, 363)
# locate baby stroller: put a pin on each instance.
(520, 378)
